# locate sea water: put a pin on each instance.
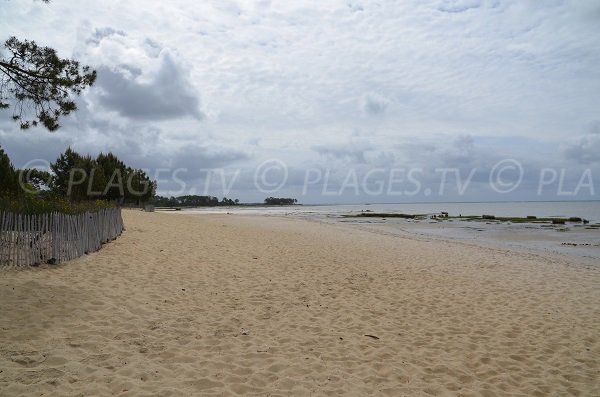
(589, 210)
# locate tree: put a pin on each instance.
(139, 187)
(35, 78)
(115, 173)
(106, 177)
(9, 183)
(87, 180)
(280, 201)
(62, 169)
(37, 180)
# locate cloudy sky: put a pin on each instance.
(330, 101)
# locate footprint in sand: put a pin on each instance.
(48, 375)
(28, 359)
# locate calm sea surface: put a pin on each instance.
(589, 210)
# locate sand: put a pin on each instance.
(240, 305)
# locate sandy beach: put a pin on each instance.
(218, 305)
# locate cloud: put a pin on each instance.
(199, 157)
(587, 149)
(373, 104)
(32, 148)
(594, 128)
(166, 96)
(455, 6)
(101, 33)
(443, 151)
(140, 79)
(352, 151)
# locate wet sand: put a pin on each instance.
(574, 242)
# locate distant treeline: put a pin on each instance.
(191, 201)
(211, 201)
(74, 181)
(280, 201)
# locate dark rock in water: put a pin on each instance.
(531, 217)
(488, 216)
(386, 215)
(575, 219)
(585, 221)
(558, 221)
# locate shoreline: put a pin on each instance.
(533, 241)
(574, 245)
(232, 305)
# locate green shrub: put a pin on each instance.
(42, 204)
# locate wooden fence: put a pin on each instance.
(54, 238)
